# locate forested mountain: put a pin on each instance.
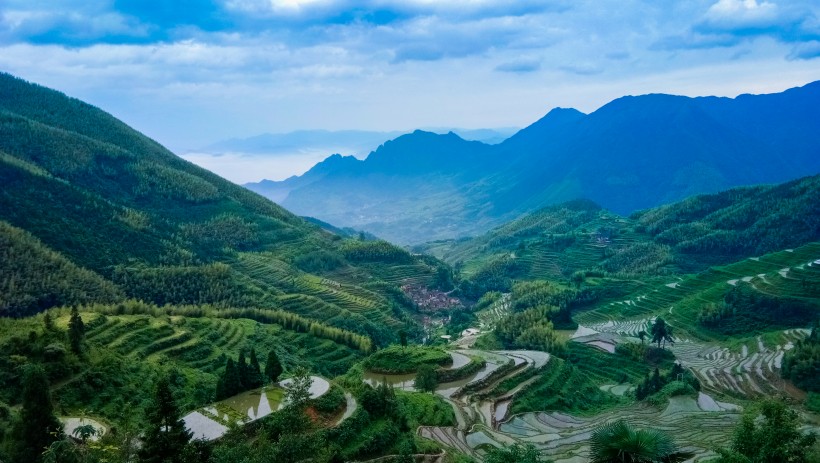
(683, 237)
(631, 154)
(93, 211)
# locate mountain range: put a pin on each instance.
(633, 153)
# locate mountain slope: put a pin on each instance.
(116, 213)
(687, 236)
(634, 153)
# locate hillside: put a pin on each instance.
(687, 236)
(109, 215)
(631, 154)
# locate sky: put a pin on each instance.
(191, 72)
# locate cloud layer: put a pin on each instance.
(190, 72)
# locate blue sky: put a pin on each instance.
(190, 72)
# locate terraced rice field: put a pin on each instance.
(751, 367)
(787, 273)
(698, 424)
(205, 343)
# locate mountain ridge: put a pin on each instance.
(633, 153)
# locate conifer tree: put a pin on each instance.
(230, 383)
(244, 372)
(76, 331)
(255, 370)
(37, 428)
(166, 436)
(48, 322)
(273, 368)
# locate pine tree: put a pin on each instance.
(48, 322)
(166, 436)
(37, 428)
(273, 368)
(76, 331)
(230, 384)
(255, 370)
(244, 372)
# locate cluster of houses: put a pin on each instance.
(430, 299)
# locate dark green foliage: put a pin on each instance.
(273, 367)
(165, 437)
(230, 383)
(745, 311)
(379, 401)
(397, 359)
(297, 391)
(330, 402)
(319, 261)
(516, 453)
(495, 275)
(375, 251)
(426, 379)
(76, 331)
(620, 442)
(37, 426)
(737, 223)
(33, 278)
(802, 364)
(654, 383)
(769, 433)
(562, 386)
(661, 332)
(530, 329)
(424, 410)
(201, 284)
(254, 378)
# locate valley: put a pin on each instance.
(151, 311)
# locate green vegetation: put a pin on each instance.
(620, 442)
(569, 240)
(142, 287)
(397, 359)
(563, 386)
(746, 310)
(426, 379)
(770, 432)
(239, 376)
(516, 453)
(802, 364)
(165, 438)
(37, 427)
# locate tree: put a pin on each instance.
(37, 427)
(642, 335)
(661, 332)
(166, 436)
(254, 370)
(620, 442)
(48, 321)
(426, 379)
(297, 388)
(776, 438)
(84, 432)
(515, 454)
(273, 368)
(76, 331)
(230, 383)
(244, 372)
(403, 338)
